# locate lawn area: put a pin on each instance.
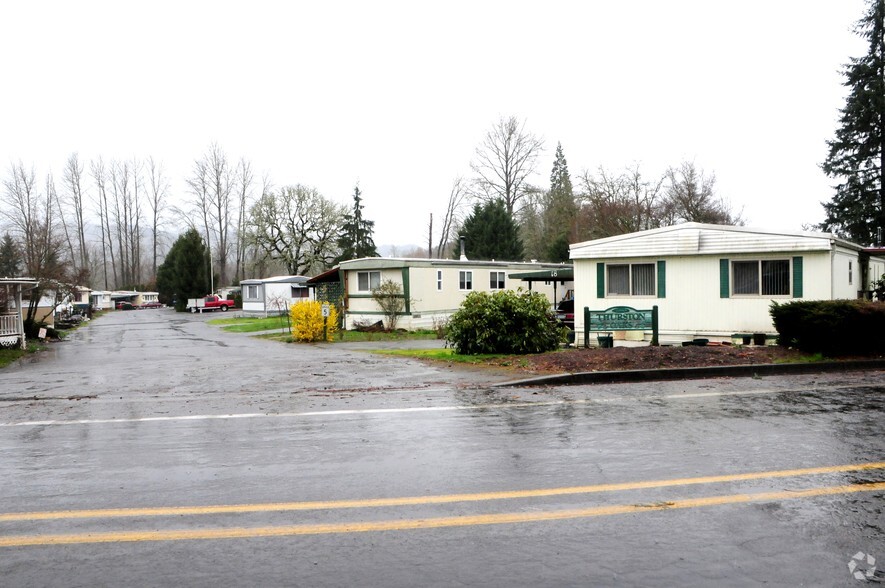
(7, 355)
(359, 337)
(254, 325)
(446, 354)
(251, 324)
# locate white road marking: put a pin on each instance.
(418, 409)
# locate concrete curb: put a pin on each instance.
(692, 373)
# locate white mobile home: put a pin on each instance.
(101, 299)
(433, 289)
(272, 296)
(715, 281)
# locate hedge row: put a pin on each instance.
(831, 327)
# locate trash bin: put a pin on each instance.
(758, 338)
(606, 341)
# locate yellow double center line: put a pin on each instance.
(429, 523)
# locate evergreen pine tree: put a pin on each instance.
(857, 154)
(185, 271)
(356, 233)
(10, 260)
(560, 210)
(490, 233)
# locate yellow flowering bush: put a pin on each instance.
(307, 321)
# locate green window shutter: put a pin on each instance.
(797, 277)
(600, 280)
(662, 279)
(724, 289)
(407, 290)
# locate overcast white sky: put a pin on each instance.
(397, 95)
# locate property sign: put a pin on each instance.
(621, 318)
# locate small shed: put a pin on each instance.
(273, 296)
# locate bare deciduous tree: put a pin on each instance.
(504, 162)
(296, 226)
(691, 197)
(99, 175)
(125, 212)
(457, 198)
(30, 217)
(245, 181)
(159, 187)
(212, 185)
(614, 204)
(76, 203)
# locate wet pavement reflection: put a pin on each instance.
(143, 410)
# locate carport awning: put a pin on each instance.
(331, 275)
(559, 275)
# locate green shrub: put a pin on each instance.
(831, 327)
(389, 298)
(504, 322)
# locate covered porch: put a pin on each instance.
(12, 328)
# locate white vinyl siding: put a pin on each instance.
(637, 279)
(367, 281)
(465, 280)
(497, 280)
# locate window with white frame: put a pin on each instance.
(496, 280)
(252, 292)
(631, 279)
(299, 292)
(465, 280)
(367, 281)
(439, 280)
(850, 272)
(761, 277)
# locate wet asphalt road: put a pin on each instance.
(234, 461)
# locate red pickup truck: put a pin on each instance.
(209, 303)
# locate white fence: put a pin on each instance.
(9, 335)
(9, 324)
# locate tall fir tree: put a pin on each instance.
(857, 154)
(10, 259)
(185, 271)
(356, 239)
(560, 210)
(491, 233)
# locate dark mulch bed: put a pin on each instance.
(636, 358)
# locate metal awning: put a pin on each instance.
(331, 275)
(551, 275)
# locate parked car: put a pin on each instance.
(209, 303)
(565, 313)
(152, 304)
(125, 306)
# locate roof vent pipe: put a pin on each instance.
(463, 241)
